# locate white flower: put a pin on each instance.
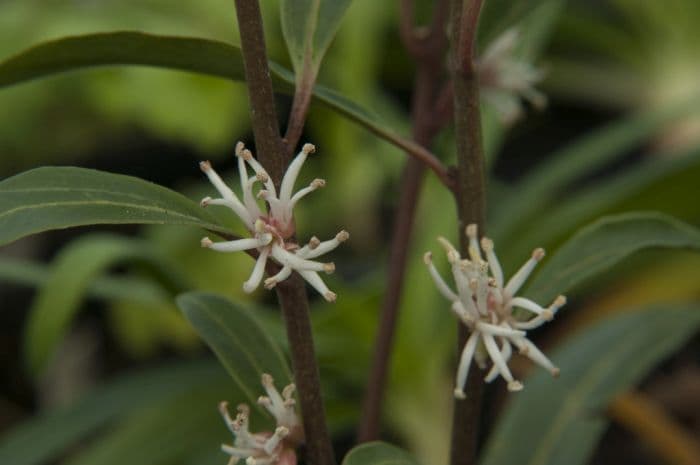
(504, 80)
(272, 231)
(265, 448)
(485, 305)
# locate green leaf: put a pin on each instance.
(559, 421)
(72, 272)
(308, 27)
(378, 453)
(237, 339)
(187, 54)
(640, 187)
(605, 242)
(48, 435)
(61, 197)
(581, 158)
(128, 288)
(168, 432)
(123, 48)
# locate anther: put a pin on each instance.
(428, 258)
(329, 267)
(342, 236)
(317, 183)
(515, 385)
(330, 296)
(314, 242)
(205, 202)
(205, 166)
(308, 148)
(471, 230)
(486, 244)
(246, 154)
(538, 254)
(240, 146)
(206, 242)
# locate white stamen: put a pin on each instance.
(465, 362)
(228, 195)
(499, 363)
(522, 274)
(439, 282)
(290, 177)
(498, 330)
(494, 264)
(258, 270)
(271, 444)
(237, 245)
(506, 353)
(317, 283)
(298, 263)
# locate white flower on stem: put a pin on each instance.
(272, 230)
(485, 303)
(266, 448)
(505, 79)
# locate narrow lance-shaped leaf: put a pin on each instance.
(237, 339)
(203, 56)
(74, 269)
(308, 27)
(129, 288)
(378, 453)
(553, 422)
(604, 243)
(578, 159)
(52, 433)
(61, 197)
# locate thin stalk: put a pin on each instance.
(427, 51)
(291, 293)
(471, 202)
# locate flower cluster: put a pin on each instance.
(485, 304)
(272, 231)
(504, 79)
(265, 448)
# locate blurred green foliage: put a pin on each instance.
(76, 117)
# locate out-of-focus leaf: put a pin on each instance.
(43, 437)
(309, 27)
(168, 432)
(671, 180)
(579, 159)
(76, 266)
(559, 421)
(378, 453)
(237, 339)
(123, 48)
(129, 288)
(604, 243)
(187, 54)
(533, 18)
(61, 197)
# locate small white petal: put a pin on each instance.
(271, 444)
(290, 176)
(522, 274)
(495, 330)
(290, 259)
(439, 282)
(506, 353)
(232, 201)
(494, 264)
(499, 363)
(239, 244)
(317, 283)
(325, 246)
(465, 362)
(258, 271)
(283, 274)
